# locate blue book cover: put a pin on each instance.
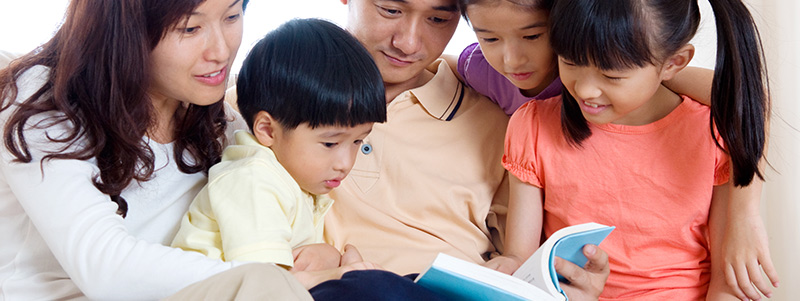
(456, 279)
(536, 278)
(570, 248)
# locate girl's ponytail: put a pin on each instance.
(739, 97)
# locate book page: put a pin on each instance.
(566, 243)
(536, 270)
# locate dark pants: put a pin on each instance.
(372, 285)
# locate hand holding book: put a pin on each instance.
(536, 278)
(587, 282)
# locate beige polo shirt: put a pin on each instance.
(424, 181)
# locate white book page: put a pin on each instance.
(536, 270)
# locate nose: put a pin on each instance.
(344, 161)
(514, 57)
(586, 88)
(408, 38)
(217, 48)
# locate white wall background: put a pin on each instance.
(26, 24)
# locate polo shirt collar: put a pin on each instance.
(442, 96)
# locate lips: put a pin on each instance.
(333, 183)
(591, 108)
(397, 62)
(214, 78)
(520, 76)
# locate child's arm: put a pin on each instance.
(523, 226)
(718, 289)
(739, 232)
(694, 82)
(315, 257)
(743, 238)
(738, 244)
(745, 245)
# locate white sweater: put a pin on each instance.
(62, 239)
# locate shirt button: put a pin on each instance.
(366, 148)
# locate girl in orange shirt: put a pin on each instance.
(617, 80)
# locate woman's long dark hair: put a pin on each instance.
(98, 82)
(620, 34)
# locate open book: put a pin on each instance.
(536, 278)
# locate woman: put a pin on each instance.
(108, 131)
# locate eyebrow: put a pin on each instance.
(448, 8)
(534, 25)
(332, 134)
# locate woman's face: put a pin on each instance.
(193, 60)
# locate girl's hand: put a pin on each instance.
(315, 257)
(505, 264)
(585, 283)
(744, 248)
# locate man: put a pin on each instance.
(425, 180)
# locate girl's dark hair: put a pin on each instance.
(621, 34)
(546, 5)
(313, 71)
(98, 82)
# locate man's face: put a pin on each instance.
(403, 36)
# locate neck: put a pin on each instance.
(545, 83)
(395, 89)
(163, 127)
(663, 102)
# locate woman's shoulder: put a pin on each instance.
(235, 123)
(30, 81)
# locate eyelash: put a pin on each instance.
(532, 37)
(233, 17)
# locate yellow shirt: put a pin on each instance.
(251, 209)
(424, 180)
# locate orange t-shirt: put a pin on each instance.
(653, 182)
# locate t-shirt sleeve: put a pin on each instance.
(722, 164)
(520, 157)
(480, 76)
(252, 208)
(475, 71)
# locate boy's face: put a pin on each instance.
(515, 41)
(318, 159)
(403, 36)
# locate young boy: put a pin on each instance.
(309, 93)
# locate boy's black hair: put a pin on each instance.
(311, 70)
(622, 34)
